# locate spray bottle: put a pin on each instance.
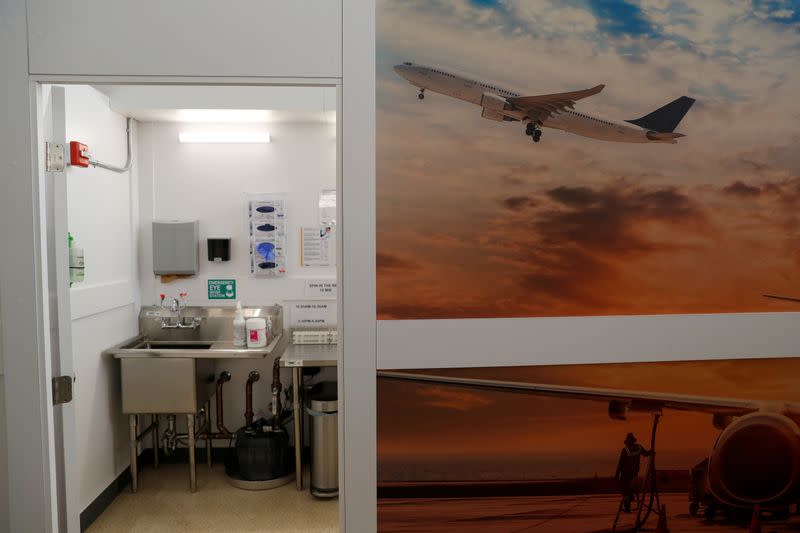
(239, 327)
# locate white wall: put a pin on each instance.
(183, 37)
(4, 525)
(26, 378)
(103, 219)
(209, 182)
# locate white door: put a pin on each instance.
(54, 240)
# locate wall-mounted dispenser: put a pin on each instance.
(175, 247)
(219, 249)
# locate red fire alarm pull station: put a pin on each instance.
(78, 154)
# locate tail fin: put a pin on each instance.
(665, 119)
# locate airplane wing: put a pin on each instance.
(630, 400)
(779, 297)
(542, 106)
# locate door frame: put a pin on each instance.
(356, 236)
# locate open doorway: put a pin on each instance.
(175, 204)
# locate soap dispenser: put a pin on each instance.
(239, 327)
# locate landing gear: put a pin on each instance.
(421, 94)
(533, 131)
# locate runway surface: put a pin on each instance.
(556, 514)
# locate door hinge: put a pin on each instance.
(54, 158)
(62, 389)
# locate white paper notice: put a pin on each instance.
(312, 314)
(319, 246)
(320, 288)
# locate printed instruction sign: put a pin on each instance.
(222, 289)
(320, 288)
(312, 314)
(318, 246)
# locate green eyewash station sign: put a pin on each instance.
(222, 289)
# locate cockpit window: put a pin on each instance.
(407, 63)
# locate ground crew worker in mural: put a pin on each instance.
(628, 469)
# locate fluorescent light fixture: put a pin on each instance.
(223, 137)
(230, 116)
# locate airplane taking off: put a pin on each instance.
(548, 110)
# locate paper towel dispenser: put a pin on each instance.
(175, 247)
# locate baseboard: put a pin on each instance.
(101, 503)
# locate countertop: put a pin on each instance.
(310, 355)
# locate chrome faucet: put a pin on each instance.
(176, 308)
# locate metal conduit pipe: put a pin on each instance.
(277, 387)
(114, 168)
(248, 397)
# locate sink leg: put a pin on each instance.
(155, 439)
(192, 469)
(208, 430)
(132, 437)
(298, 428)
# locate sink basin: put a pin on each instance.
(141, 346)
(172, 345)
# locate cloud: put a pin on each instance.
(516, 203)
(453, 399)
(608, 218)
(620, 17)
(390, 262)
(741, 189)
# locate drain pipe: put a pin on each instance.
(248, 397)
(170, 438)
(221, 429)
(114, 168)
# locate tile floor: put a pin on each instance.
(164, 504)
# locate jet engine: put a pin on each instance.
(493, 115)
(756, 460)
(493, 102)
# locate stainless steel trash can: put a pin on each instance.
(323, 412)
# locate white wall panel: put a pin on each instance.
(300, 38)
(103, 219)
(25, 366)
(357, 334)
(102, 429)
(4, 481)
(576, 340)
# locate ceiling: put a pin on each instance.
(223, 104)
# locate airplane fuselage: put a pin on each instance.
(570, 120)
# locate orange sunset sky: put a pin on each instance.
(429, 432)
(475, 220)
